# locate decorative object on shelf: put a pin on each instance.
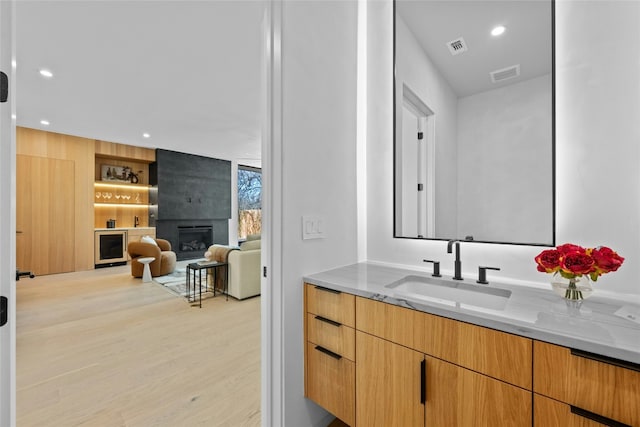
(574, 267)
(115, 173)
(133, 177)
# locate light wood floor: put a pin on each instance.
(103, 349)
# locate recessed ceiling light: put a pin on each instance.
(146, 135)
(498, 30)
(13, 117)
(44, 122)
(46, 73)
(14, 64)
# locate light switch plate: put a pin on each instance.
(312, 227)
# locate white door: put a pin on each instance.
(7, 223)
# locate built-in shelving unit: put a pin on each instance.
(121, 185)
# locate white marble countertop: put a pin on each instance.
(598, 325)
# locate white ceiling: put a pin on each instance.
(187, 72)
(527, 40)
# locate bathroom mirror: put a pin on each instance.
(474, 121)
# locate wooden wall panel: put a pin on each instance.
(81, 151)
(129, 152)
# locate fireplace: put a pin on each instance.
(193, 241)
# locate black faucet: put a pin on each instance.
(457, 275)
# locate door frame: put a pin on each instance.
(8, 217)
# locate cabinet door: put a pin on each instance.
(459, 397)
(388, 384)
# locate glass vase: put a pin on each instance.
(574, 289)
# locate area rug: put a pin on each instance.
(176, 282)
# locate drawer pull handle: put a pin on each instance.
(333, 291)
(423, 381)
(605, 359)
(328, 352)
(329, 321)
(597, 418)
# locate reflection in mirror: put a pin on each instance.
(474, 121)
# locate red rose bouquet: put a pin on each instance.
(572, 261)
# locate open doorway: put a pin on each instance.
(199, 95)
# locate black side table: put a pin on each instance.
(207, 266)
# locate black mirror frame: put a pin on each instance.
(553, 141)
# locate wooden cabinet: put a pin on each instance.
(330, 351)
(456, 396)
(591, 386)
(450, 373)
(388, 383)
(409, 368)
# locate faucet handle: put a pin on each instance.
(436, 267)
(482, 274)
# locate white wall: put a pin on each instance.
(318, 167)
(597, 134)
(504, 163)
(415, 69)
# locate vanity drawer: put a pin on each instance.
(333, 305)
(400, 325)
(493, 353)
(596, 386)
(330, 382)
(331, 335)
(548, 412)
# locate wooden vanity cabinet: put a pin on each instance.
(376, 364)
(416, 369)
(330, 351)
(587, 388)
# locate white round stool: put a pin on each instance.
(146, 272)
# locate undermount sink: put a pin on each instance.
(450, 292)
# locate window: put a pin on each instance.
(249, 201)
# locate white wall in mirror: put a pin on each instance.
(598, 181)
(504, 157)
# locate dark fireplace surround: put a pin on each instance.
(193, 200)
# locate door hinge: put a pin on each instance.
(420, 187)
(4, 87)
(264, 271)
(420, 135)
(4, 310)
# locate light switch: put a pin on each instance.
(312, 227)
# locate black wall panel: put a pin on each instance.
(191, 191)
(191, 187)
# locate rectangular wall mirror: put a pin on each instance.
(474, 121)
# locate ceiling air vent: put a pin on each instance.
(457, 46)
(505, 73)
